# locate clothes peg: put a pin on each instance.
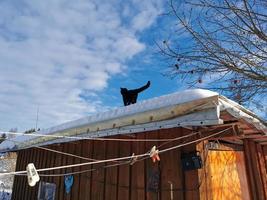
(32, 174)
(133, 159)
(154, 154)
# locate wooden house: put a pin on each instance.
(210, 148)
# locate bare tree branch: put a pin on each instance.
(228, 46)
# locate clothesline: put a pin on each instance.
(96, 139)
(119, 158)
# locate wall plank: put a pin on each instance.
(262, 168)
(98, 175)
(85, 178)
(17, 179)
(138, 178)
(124, 172)
(25, 185)
(62, 193)
(32, 155)
(171, 173)
(152, 169)
(111, 172)
(76, 151)
(58, 161)
(256, 170)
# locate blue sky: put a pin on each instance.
(69, 58)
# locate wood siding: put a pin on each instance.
(256, 169)
(131, 182)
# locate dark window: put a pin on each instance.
(47, 191)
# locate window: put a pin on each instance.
(46, 191)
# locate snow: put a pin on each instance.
(5, 195)
(141, 107)
(240, 112)
(7, 163)
(151, 104)
(146, 105)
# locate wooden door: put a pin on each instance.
(226, 176)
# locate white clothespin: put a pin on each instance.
(154, 154)
(32, 174)
(133, 159)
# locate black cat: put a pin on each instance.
(130, 96)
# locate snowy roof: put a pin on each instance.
(187, 108)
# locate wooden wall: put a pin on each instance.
(124, 182)
(231, 174)
(256, 164)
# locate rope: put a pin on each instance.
(67, 154)
(115, 159)
(97, 139)
(76, 165)
(195, 141)
(91, 159)
(64, 153)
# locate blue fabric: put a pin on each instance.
(68, 183)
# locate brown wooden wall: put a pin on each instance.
(233, 173)
(256, 164)
(124, 182)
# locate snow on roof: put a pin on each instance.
(146, 105)
(140, 107)
(123, 116)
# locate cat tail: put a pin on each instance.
(138, 90)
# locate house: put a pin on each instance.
(209, 148)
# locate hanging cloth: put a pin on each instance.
(68, 183)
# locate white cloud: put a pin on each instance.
(52, 51)
(147, 12)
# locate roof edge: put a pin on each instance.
(239, 111)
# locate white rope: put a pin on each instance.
(55, 151)
(76, 165)
(64, 153)
(115, 159)
(83, 171)
(195, 141)
(67, 154)
(127, 162)
(91, 159)
(97, 139)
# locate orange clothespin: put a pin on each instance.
(133, 159)
(154, 154)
